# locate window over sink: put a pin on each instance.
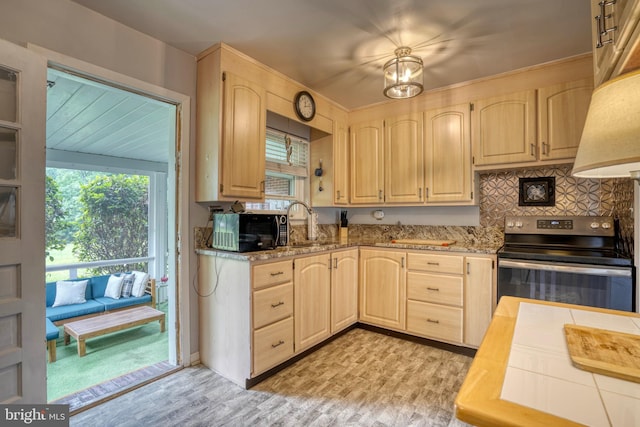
(286, 176)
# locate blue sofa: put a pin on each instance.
(95, 305)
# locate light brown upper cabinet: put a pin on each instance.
(404, 159)
(447, 142)
(243, 139)
(615, 51)
(562, 111)
(231, 126)
(340, 163)
(367, 162)
(504, 129)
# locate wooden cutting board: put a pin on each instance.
(424, 242)
(615, 354)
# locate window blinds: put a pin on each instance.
(286, 154)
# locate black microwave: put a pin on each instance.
(246, 232)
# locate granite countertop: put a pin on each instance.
(523, 375)
(307, 247)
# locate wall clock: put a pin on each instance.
(305, 106)
(537, 192)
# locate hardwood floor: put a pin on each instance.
(360, 379)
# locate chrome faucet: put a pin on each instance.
(311, 234)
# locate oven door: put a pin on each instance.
(591, 285)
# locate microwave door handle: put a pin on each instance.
(277, 230)
(592, 270)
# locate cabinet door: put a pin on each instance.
(621, 15)
(344, 289)
(312, 290)
(478, 304)
(447, 137)
(367, 162)
(504, 129)
(404, 160)
(562, 113)
(340, 164)
(243, 139)
(383, 288)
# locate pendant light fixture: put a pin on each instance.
(403, 75)
(610, 143)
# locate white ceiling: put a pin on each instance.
(88, 117)
(338, 47)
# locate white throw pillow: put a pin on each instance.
(114, 287)
(68, 292)
(140, 284)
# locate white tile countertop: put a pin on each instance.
(540, 373)
(523, 374)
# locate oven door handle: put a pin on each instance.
(590, 270)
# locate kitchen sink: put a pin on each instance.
(304, 244)
(298, 245)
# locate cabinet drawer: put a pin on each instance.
(272, 274)
(272, 345)
(272, 304)
(434, 288)
(452, 264)
(435, 321)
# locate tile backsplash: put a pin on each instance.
(498, 198)
(574, 196)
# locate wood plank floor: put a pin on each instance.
(360, 379)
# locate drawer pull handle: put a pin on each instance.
(433, 289)
(277, 273)
(278, 344)
(433, 263)
(433, 321)
(278, 304)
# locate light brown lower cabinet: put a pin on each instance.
(480, 280)
(443, 296)
(435, 301)
(344, 289)
(383, 288)
(434, 321)
(273, 309)
(312, 290)
(255, 316)
(272, 345)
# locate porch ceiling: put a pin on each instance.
(88, 117)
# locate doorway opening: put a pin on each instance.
(111, 157)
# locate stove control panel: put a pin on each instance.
(555, 224)
(566, 225)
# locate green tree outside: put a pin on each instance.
(114, 220)
(56, 224)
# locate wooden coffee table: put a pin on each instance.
(107, 323)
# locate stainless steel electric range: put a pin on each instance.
(570, 259)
